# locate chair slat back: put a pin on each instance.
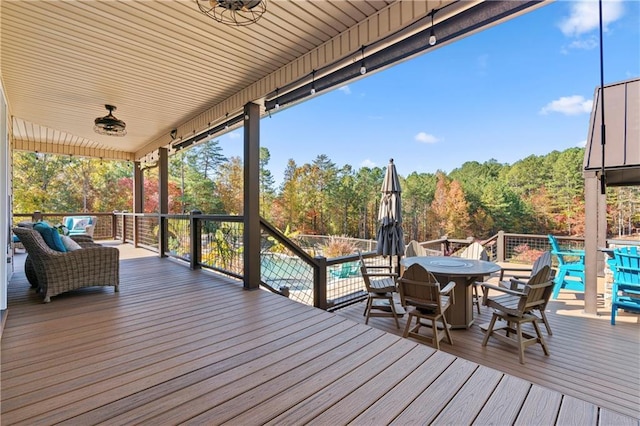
(628, 265)
(418, 287)
(474, 251)
(538, 289)
(555, 249)
(414, 249)
(543, 260)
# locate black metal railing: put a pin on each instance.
(293, 266)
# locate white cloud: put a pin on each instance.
(345, 89)
(568, 105)
(584, 16)
(588, 43)
(234, 135)
(582, 144)
(426, 138)
(368, 163)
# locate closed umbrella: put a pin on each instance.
(390, 235)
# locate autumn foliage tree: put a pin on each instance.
(539, 194)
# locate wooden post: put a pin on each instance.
(138, 198)
(124, 229)
(195, 239)
(500, 254)
(163, 199)
(251, 212)
(114, 225)
(320, 283)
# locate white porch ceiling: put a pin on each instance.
(164, 65)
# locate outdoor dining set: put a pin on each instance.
(440, 293)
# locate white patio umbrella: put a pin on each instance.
(390, 235)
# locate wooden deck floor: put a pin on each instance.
(589, 358)
(180, 346)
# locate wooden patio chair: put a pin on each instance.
(625, 292)
(514, 308)
(523, 273)
(56, 272)
(567, 268)
(414, 249)
(474, 251)
(380, 282)
(420, 290)
(517, 282)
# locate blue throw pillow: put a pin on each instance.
(50, 236)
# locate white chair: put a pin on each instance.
(80, 225)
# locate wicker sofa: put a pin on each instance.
(53, 272)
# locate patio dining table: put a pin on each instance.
(464, 272)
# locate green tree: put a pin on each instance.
(230, 186)
(417, 195)
(267, 192)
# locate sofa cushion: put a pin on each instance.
(69, 243)
(50, 236)
(78, 223)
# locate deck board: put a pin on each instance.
(181, 346)
(505, 402)
(585, 359)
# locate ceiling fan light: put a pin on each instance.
(109, 125)
(233, 12)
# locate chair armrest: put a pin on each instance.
(380, 274)
(627, 268)
(81, 238)
(579, 253)
(514, 269)
(447, 289)
(486, 287)
(516, 284)
(388, 268)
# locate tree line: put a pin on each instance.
(538, 194)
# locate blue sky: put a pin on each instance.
(520, 88)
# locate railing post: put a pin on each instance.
(124, 228)
(36, 217)
(195, 243)
(163, 234)
(114, 225)
(135, 229)
(500, 254)
(320, 283)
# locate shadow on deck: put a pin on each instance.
(181, 346)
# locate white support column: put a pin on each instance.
(592, 225)
(5, 213)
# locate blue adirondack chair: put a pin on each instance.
(346, 270)
(567, 267)
(625, 292)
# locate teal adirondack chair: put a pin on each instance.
(625, 292)
(567, 268)
(346, 270)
